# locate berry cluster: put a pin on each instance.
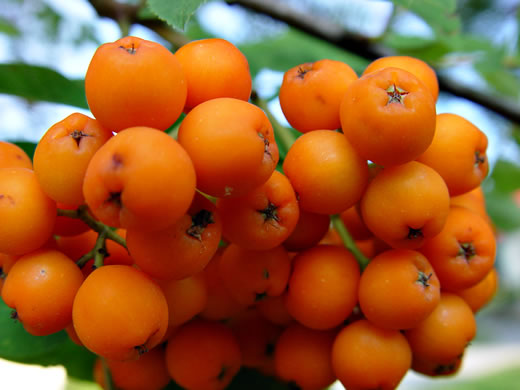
(186, 254)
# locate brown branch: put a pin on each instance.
(337, 35)
(115, 10)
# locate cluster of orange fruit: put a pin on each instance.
(219, 259)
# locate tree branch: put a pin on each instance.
(337, 35)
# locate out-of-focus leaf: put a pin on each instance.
(76, 384)
(41, 84)
(282, 149)
(433, 54)
(253, 380)
(468, 43)
(506, 177)
(176, 13)
(145, 13)
(405, 42)
(505, 379)
(87, 33)
(439, 14)
(518, 21)
(8, 28)
(516, 134)
(503, 211)
(501, 207)
(51, 19)
(500, 79)
(293, 48)
(78, 361)
(468, 47)
(18, 345)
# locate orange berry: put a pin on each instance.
(134, 82)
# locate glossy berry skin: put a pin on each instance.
(365, 356)
(232, 146)
(388, 116)
(135, 82)
(141, 178)
(120, 313)
(203, 355)
(41, 287)
(63, 153)
(26, 212)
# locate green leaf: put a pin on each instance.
(516, 134)
(18, 345)
(250, 379)
(466, 46)
(439, 14)
(293, 48)
(466, 43)
(506, 177)
(506, 379)
(176, 13)
(41, 84)
(405, 42)
(500, 79)
(145, 13)
(78, 361)
(504, 180)
(8, 28)
(503, 211)
(51, 20)
(75, 384)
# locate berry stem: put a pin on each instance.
(98, 253)
(83, 213)
(348, 241)
(100, 250)
(106, 375)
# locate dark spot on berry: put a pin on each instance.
(467, 250)
(141, 349)
(129, 50)
(269, 349)
(78, 135)
(115, 197)
(199, 222)
(303, 70)
(270, 212)
(7, 197)
(395, 94)
(222, 374)
(260, 296)
(424, 279)
(414, 234)
(117, 161)
(479, 158)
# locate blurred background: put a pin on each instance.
(46, 46)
